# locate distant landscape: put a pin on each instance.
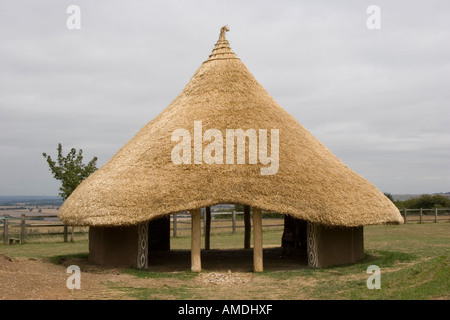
(30, 201)
(407, 196)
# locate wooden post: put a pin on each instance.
(404, 214)
(5, 231)
(421, 220)
(257, 241)
(435, 215)
(65, 233)
(207, 228)
(233, 215)
(22, 229)
(196, 229)
(72, 234)
(174, 225)
(247, 227)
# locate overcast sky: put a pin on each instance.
(378, 99)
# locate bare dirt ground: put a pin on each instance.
(38, 279)
(227, 275)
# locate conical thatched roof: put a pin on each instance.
(141, 182)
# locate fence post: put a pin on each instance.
(5, 231)
(421, 221)
(22, 229)
(404, 213)
(65, 233)
(435, 215)
(204, 221)
(234, 221)
(174, 225)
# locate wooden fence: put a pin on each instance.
(182, 221)
(426, 215)
(179, 222)
(23, 224)
(232, 223)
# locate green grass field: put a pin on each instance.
(413, 259)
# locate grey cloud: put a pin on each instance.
(378, 99)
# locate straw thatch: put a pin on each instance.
(141, 182)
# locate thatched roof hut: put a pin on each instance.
(142, 182)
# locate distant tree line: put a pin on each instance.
(425, 201)
(13, 208)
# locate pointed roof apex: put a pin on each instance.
(222, 49)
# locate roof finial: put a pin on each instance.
(222, 32)
(222, 50)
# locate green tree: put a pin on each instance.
(70, 169)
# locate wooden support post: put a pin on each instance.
(196, 229)
(404, 214)
(435, 215)
(72, 234)
(207, 228)
(233, 216)
(65, 233)
(257, 241)
(5, 231)
(247, 227)
(421, 220)
(174, 225)
(22, 229)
